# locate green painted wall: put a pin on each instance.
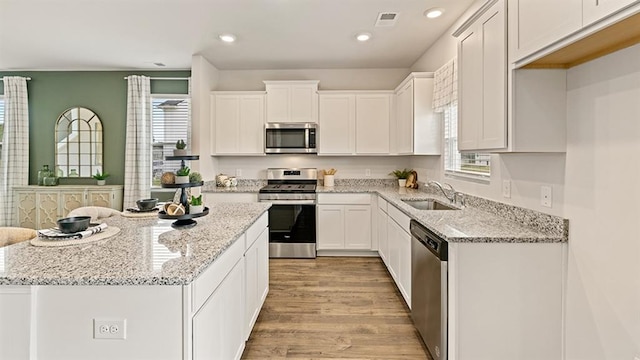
(104, 92)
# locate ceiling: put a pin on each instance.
(271, 34)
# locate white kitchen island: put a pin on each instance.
(162, 293)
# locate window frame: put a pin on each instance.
(450, 133)
(158, 187)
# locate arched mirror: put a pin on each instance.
(78, 143)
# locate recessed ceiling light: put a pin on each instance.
(227, 38)
(363, 37)
(434, 13)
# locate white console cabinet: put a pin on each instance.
(39, 207)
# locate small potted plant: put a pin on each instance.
(182, 175)
(195, 177)
(401, 175)
(195, 206)
(180, 149)
(101, 177)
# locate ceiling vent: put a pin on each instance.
(387, 19)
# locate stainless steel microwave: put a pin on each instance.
(290, 138)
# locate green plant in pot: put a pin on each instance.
(101, 177)
(195, 177)
(195, 205)
(182, 175)
(180, 149)
(401, 175)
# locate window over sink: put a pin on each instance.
(464, 165)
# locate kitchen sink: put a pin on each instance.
(428, 204)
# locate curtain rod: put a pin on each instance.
(1, 79)
(165, 78)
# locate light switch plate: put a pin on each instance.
(506, 188)
(546, 197)
(367, 172)
(238, 172)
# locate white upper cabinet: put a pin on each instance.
(238, 123)
(337, 122)
(416, 129)
(533, 24)
(561, 34)
(292, 101)
(373, 114)
(482, 56)
(594, 10)
(354, 123)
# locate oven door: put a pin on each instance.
(292, 230)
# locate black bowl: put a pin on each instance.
(147, 204)
(74, 224)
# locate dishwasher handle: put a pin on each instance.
(434, 243)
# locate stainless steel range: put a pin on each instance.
(292, 218)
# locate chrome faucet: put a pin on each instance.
(454, 194)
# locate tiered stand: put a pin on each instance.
(183, 221)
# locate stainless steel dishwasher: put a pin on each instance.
(429, 288)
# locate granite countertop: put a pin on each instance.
(469, 224)
(145, 252)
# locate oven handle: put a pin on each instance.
(290, 202)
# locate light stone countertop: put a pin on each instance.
(145, 252)
(468, 225)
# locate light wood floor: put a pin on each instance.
(333, 308)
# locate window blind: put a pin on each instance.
(474, 164)
(171, 121)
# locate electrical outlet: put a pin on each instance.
(238, 172)
(367, 172)
(110, 329)
(506, 188)
(546, 197)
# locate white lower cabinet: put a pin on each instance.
(344, 222)
(256, 260)
(394, 246)
(383, 242)
(505, 300)
(217, 333)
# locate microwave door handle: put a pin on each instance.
(306, 138)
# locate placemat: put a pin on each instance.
(105, 234)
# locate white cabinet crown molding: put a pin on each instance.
(473, 18)
(414, 75)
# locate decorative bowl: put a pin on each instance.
(74, 224)
(147, 204)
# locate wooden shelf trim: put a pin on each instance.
(618, 36)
